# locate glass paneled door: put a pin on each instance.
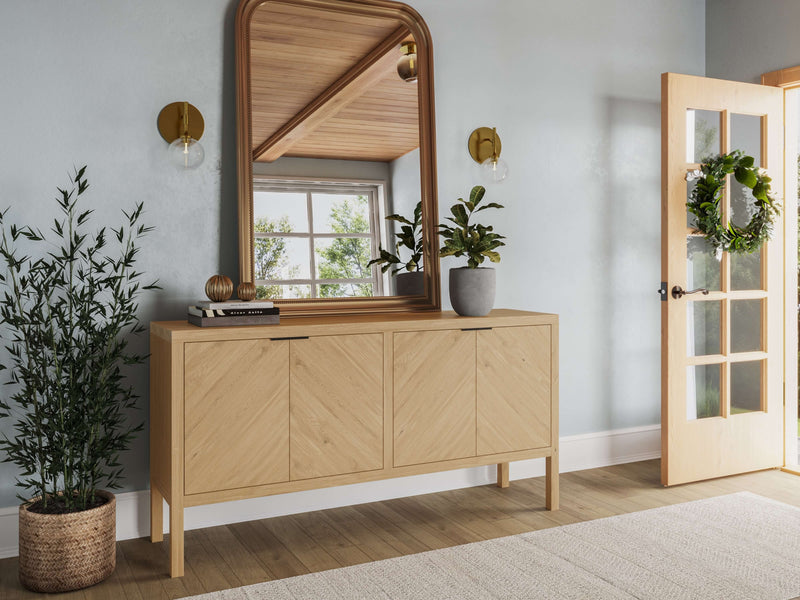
(722, 314)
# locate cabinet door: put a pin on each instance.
(513, 389)
(236, 414)
(434, 396)
(336, 405)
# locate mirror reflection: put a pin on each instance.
(335, 146)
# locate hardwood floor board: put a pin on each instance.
(355, 527)
(536, 517)
(235, 555)
(205, 564)
(244, 553)
(429, 537)
(126, 576)
(470, 515)
(330, 539)
(414, 509)
(270, 552)
(387, 529)
(311, 554)
(149, 565)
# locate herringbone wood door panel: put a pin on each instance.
(236, 414)
(513, 389)
(336, 405)
(434, 396)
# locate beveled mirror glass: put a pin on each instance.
(335, 134)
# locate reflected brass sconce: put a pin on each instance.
(484, 147)
(407, 65)
(182, 125)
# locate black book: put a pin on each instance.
(232, 312)
(233, 321)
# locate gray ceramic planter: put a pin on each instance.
(410, 284)
(472, 291)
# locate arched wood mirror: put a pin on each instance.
(336, 156)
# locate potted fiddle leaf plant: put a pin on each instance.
(68, 307)
(472, 288)
(412, 282)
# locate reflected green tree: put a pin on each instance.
(271, 259)
(346, 258)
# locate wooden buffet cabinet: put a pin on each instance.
(242, 412)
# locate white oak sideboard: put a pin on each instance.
(243, 412)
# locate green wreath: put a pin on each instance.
(705, 198)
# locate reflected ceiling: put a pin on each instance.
(325, 85)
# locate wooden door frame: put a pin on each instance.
(789, 79)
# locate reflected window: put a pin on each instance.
(315, 239)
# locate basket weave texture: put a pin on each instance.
(58, 553)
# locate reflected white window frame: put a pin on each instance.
(374, 190)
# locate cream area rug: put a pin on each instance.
(740, 546)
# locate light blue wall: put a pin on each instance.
(572, 86)
(746, 39)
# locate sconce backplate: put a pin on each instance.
(170, 122)
(480, 144)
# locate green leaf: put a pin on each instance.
(476, 195)
(745, 177)
(460, 214)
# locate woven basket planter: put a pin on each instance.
(58, 553)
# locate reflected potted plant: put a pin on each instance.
(412, 282)
(68, 306)
(472, 288)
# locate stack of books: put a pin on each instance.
(234, 312)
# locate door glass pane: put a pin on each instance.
(702, 328)
(691, 219)
(743, 205)
(746, 271)
(702, 134)
(746, 386)
(746, 135)
(703, 269)
(746, 325)
(702, 392)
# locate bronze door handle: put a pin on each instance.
(678, 292)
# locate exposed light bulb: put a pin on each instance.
(494, 170)
(186, 153)
(407, 65)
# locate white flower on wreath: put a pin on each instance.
(692, 175)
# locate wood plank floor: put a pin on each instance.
(245, 553)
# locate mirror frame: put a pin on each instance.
(431, 301)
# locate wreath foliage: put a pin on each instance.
(704, 203)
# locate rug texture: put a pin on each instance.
(736, 547)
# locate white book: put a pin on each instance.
(209, 305)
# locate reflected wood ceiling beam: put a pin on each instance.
(353, 84)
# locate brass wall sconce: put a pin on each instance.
(407, 65)
(182, 125)
(484, 147)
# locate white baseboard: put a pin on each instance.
(578, 452)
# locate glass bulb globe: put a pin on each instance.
(494, 170)
(407, 68)
(186, 153)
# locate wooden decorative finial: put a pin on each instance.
(219, 288)
(246, 291)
